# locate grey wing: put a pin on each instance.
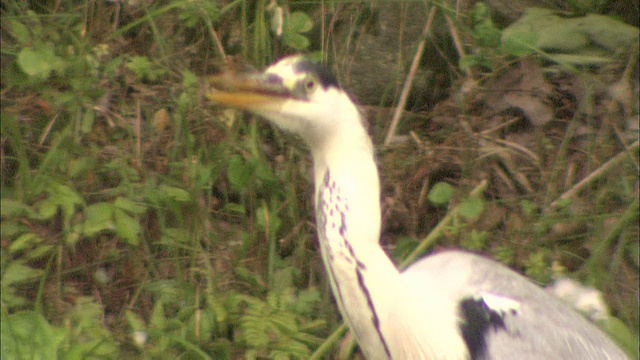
(502, 315)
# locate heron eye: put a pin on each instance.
(309, 85)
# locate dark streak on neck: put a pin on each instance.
(374, 317)
(360, 267)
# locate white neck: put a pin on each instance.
(352, 167)
(348, 216)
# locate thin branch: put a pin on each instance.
(609, 165)
(409, 82)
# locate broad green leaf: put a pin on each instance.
(144, 68)
(98, 217)
(235, 208)
(581, 59)
(127, 227)
(189, 79)
(440, 193)
(297, 41)
(11, 228)
(471, 208)
(74, 234)
(134, 321)
(129, 205)
(520, 43)
(204, 176)
(475, 240)
(11, 299)
(175, 193)
(175, 235)
(34, 64)
(28, 335)
(297, 24)
(17, 272)
(609, 32)
(24, 242)
(238, 173)
(537, 268)
(468, 61)
(584, 40)
(200, 325)
(300, 22)
(67, 198)
(308, 299)
(19, 31)
(45, 209)
(263, 170)
(14, 208)
(82, 166)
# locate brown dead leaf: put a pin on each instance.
(525, 88)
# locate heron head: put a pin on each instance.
(296, 94)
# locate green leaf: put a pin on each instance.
(129, 205)
(12, 228)
(72, 236)
(475, 240)
(24, 242)
(19, 31)
(624, 336)
(308, 299)
(34, 64)
(262, 170)
(298, 42)
(134, 321)
(28, 335)
(200, 325)
(82, 166)
(267, 220)
(471, 208)
(13, 208)
(144, 68)
(485, 32)
(67, 198)
(45, 209)
(293, 28)
(440, 193)
(529, 208)
(519, 43)
(537, 268)
(300, 22)
(127, 227)
(98, 218)
(175, 235)
(234, 208)
(582, 59)
(39, 252)
(157, 320)
(11, 299)
(189, 79)
(87, 120)
(17, 272)
(468, 61)
(175, 193)
(238, 173)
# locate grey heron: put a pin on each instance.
(451, 305)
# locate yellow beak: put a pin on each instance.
(247, 92)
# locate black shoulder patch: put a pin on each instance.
(477, 319)
(325, 77)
